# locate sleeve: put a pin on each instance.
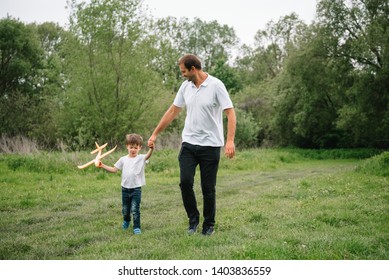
(119, 164)
(144, 159)
(223, 97)
(179, 100)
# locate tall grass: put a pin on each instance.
(377, 165)
(271, 204)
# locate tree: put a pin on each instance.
(272, 46)
(260, 71)
(20, 78)
(333, 90)
(211, 41)
(228, 75)
(53, 81)
(310, 91)
(111, 89)
(358, 33)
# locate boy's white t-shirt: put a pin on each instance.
(204, 105)
(133, 171)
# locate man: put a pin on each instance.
(205, 98)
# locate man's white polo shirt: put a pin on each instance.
(205, 106)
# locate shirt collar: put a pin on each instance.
(205, 83)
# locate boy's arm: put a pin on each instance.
(111, 169)
(150, 152)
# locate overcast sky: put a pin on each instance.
(245, 16)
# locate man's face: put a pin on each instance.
(188, 74)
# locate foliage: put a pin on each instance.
(272, 46)
(114, 71)
(377, 165)
(211, 41)
(247, 130)
(20, 78)
(227, 75)
(331, 92)
(309, 96)
(358, 31)
(111, 90)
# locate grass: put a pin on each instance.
(277, 204)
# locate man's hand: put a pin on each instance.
(151, 141)
(229, 149)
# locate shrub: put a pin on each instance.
(17, 144)
(377, 165)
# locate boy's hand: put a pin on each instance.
(99, 164)
(151, 142)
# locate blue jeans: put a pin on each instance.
(131, 199)
(208, 159)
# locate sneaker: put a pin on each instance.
(192, 229)
(125, 225)
(208, 231)
(137, 231)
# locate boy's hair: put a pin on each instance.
(190, 60)
(134, 139)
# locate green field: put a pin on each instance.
(279, 204)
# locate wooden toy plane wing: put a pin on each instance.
(86, 164)
(99, 148)
(106, 153)
(98, 156)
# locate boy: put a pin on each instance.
(133, 178)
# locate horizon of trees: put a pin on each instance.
(114, 71)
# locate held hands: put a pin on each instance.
(151, 141)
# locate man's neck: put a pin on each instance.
(200, 78)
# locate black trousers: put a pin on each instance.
(208, 159)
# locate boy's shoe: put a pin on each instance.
(137, 231)
(125, 225)
(208, 231)
(192, 229)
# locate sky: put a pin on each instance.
(245, 16)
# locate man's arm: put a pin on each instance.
(167, 118)
(229, 149)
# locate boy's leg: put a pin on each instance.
(126, 203)
(135, 206)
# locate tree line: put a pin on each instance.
(114, 71)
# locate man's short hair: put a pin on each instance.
(190, 60)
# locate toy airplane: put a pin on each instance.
(98, 156)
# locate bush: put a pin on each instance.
(18, 145)
(247, 130)
(377, 165)
(336, 153)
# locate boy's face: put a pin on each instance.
(133, 149)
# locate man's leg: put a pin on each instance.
(209, 164)
(188, 163)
